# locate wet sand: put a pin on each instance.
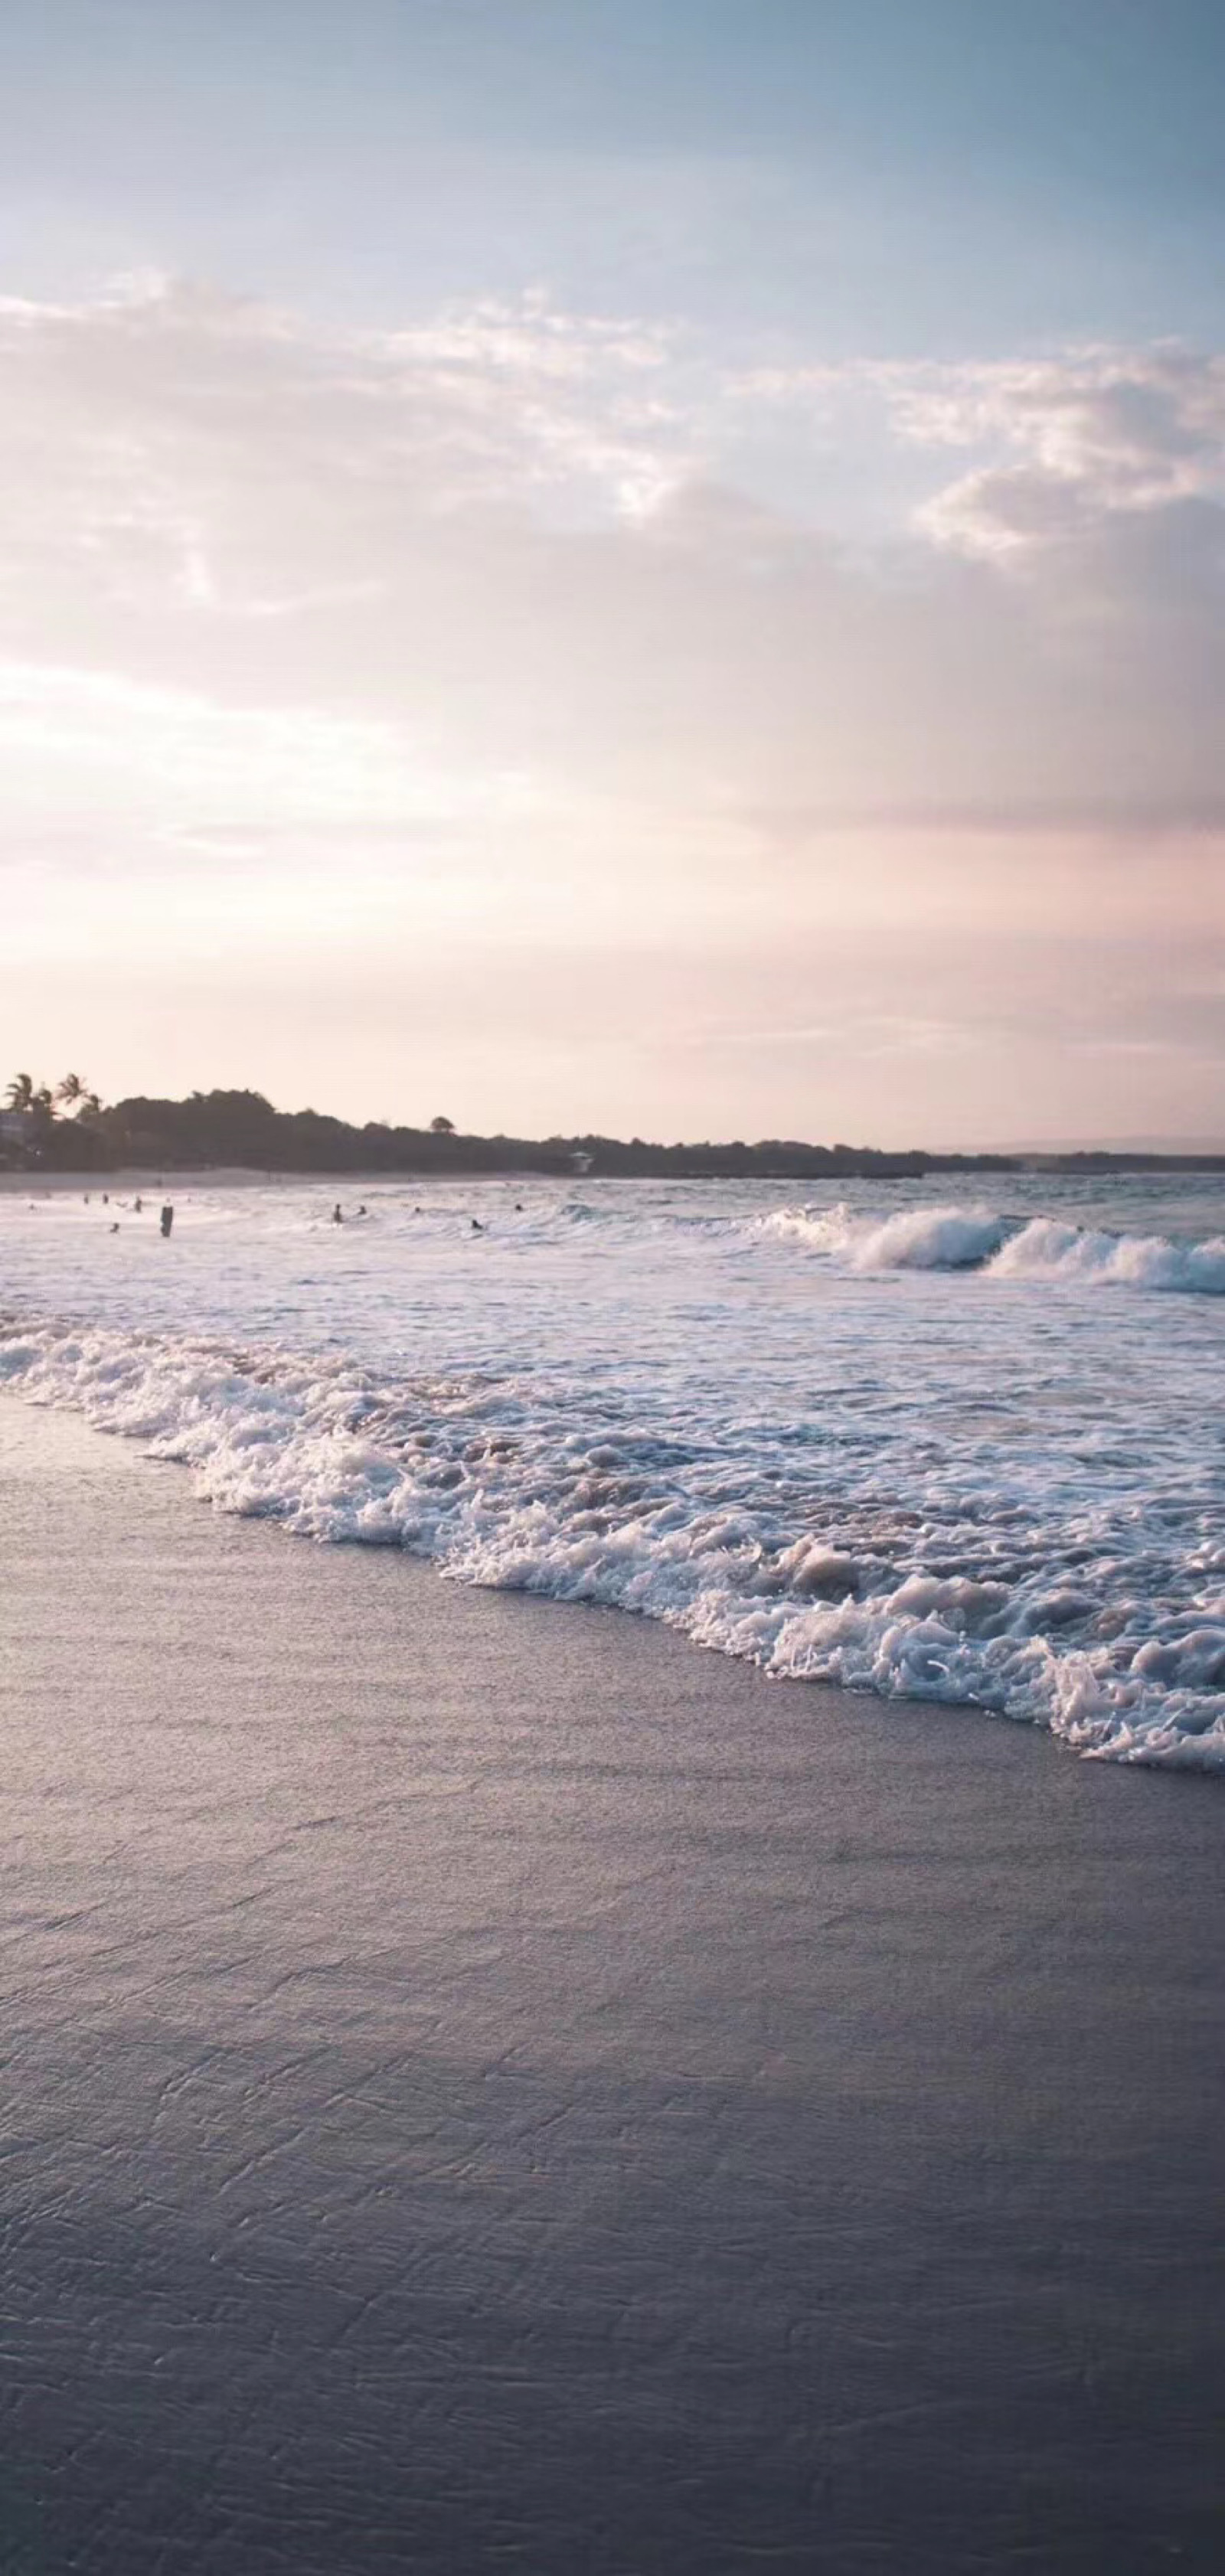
(488, 2087)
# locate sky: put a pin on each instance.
(656, 568)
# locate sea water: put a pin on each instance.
(939, 1443)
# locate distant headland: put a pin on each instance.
(69, 1128)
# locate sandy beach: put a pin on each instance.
(488, 2087)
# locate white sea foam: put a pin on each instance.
(903, 1445)
(1047, 1249)
(975, 1495)
(958, 1238)
(913, 1238)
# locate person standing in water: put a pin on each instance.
(167, 1218)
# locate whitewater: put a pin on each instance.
(962, 1446)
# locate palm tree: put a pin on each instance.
(91, 1106)
(71, 1091)
(44, 1099)
(20, 1093)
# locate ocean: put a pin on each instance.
(490, 2088)
(940, 1446)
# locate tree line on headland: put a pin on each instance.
(69, 1129)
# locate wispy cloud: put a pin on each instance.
(519, 531)
(479, 622)
(1062, 439)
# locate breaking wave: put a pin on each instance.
(1047, 1249)
(1100, 1622)
(913, 1238)
(1040, 1248)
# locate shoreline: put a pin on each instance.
(215, 1176)
(1191, 1765)
(944, 1173)
(1194, 1755)
(495, 2088)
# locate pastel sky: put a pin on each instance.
(657, 567)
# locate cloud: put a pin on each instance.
(514, 536)
(1063, 441)
(1094, 433)
(348, 647)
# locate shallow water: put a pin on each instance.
(959, 1448)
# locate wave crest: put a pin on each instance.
(1000, 1247)
(1047, 1249)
